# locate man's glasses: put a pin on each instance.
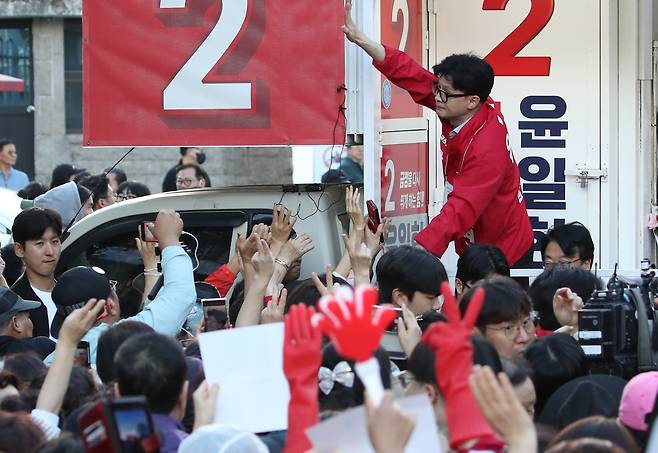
(125, 196)
(512, 331)
(184, 182)
(560, 263)
(444, 95)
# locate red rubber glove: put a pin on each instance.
(451, 343)
(347, 319)
(302, 357)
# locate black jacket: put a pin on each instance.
(39, 316)
(42, 346)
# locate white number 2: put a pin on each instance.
(187, 91)
(402, 5)
(390, 204)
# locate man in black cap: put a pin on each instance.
(16, 326)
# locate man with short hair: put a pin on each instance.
(10, 178)
(102, 193)
(568, 245)
(154, 366)
(36, 233)
(412, 277)
(16, 326)
(189, 155)
(505, 319)
(352, 164)
(190, 176)
(483, 202)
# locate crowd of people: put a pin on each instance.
(501, 364)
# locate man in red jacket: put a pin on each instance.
(484, 202)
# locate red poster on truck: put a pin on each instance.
(401, 28)
(211, 72)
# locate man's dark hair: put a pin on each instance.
(504, 301)
(598, 427)
(134, 187)
(199, 172)
(479, 261)
(152, 365)
(18, 432)
(81, 388)
(119, 174)
(554, 360)
(32, 190)
(31, 224)
(306, 293)
(183, 149)
(468, 73)
(25, 367)
(99, 186)
(542, 290)
(409, 270)
(573, 238)
(83, 193)
(110, 341)
(4, 142)
(421, 362)
(517, 370)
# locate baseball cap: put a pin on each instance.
(11, 304)
(221, 439)
(638, 399)
(74, 288)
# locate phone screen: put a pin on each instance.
(82, 354)
(133, 425)
(145, 233)
(214, 313)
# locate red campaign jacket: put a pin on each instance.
(486, 204)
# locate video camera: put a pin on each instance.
(615, 325)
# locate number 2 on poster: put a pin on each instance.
(187, 91)
(504, 57)
(401, 5)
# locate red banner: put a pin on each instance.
(401, 28)
(211, 72)
(405, 175)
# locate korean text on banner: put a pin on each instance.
(244, 72)
(247, 363)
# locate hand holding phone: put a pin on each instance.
(214, 313)
(145, 233)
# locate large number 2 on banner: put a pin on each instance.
(401, 5)
(187, 91)
(504, 58)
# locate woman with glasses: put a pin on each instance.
(132, 189)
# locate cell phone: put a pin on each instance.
(122, 425)
(214, 313)
(145, 233)
(373, 216)
(82, 354)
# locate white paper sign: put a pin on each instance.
(247, 363)
(348, 431)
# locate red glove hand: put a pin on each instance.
(348, 321)
(451, 343)
(302, 358)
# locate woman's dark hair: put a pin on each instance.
(421, 362)
(31, 224)
(80, 176)
(585, 445)
(554, 360)
(195, 376)
(32, 190)
(409, 270)
(13, 264)
(306, 293)
(342, 397)
(517, 370)
(504, 301)
(18, 433)
(81, 388)
(26, 367)
(135, 188)
(110, 341)
(598, 427)
(467, 73)
(580, 281)
(99, 186)
(62, 174)
(479, 261)
(65, 443)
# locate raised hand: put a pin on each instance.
(409, 331)
(296, 248)
(247, 247)
(282, 223)
(273, 312)
(263, 261)
(566, 304)
(353, 207)
(167, 228)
